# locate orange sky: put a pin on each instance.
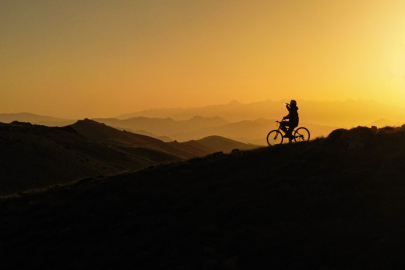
(83, 58)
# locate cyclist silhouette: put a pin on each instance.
(293, 117)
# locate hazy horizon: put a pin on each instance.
(67, 117)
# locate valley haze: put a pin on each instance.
(247, 123)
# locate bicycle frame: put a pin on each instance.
(279, 129)
(297, 134)
(292, 131)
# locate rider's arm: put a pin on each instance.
(288, 108)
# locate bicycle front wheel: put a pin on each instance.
(274, 137)
(301, 135)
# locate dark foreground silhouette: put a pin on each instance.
(334, 203)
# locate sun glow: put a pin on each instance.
(393, 58)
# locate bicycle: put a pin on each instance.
(274, 137)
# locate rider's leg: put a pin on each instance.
(283, 126)
(289, 133)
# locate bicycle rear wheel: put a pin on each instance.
(274, 137)
(301, 135)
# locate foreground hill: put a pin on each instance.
(35, 157)
(334, 203)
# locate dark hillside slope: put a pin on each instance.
(35, 156)
(334, 203)
(109, 135)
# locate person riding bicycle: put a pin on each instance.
(293, 117)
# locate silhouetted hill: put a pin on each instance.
(334, 203)
(218, 144)
(34, 156)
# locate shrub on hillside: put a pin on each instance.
(355, 138)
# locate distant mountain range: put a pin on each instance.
(247, 123)
(164, 126)
(35, 119)
(347, 113)
(192, 148)
(200, 127)
(249, 131)
(150, 134)
(385, 122)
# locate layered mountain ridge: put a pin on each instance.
(36, 157)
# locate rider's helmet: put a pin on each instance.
(293, 103)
